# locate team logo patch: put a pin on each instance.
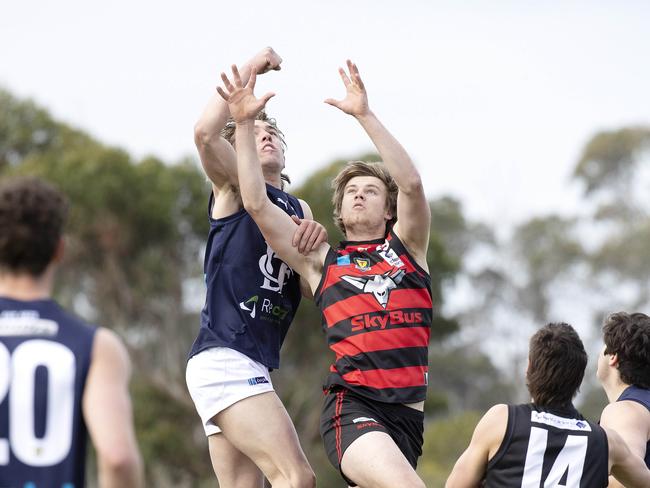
(258, 380)
(379, 286)
(276, 272)
(362, 264)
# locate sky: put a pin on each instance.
(494, 101)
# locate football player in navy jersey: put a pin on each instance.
(374, 290)
(251, 299)
(60, 379)
(624, 372)
(547, 442)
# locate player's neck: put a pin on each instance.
(614, 388)
(363, 235)
(273, 178)
(26, 287)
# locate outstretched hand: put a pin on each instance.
(242, 103)
(355, 102)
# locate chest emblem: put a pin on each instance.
(362, 264)
(379, 286)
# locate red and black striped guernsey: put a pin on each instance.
(377, 311)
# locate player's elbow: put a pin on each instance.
(412, 185)
(254, 205)
(121, 465)
(202, 136)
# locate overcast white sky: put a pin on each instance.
(494, 100)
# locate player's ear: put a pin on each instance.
(59, 251)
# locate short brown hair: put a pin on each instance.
(228, 133)
(32, 216)
(361, 168)
(628, 336)
(557, 362)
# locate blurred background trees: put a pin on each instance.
(134, 264)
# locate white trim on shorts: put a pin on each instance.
(218, 377)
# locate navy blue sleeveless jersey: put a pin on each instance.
(549, 447)
(642, 396)
(252, 295)
(45, 354)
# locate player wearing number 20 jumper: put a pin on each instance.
(44, 362)
(547, 442)
(59, 378)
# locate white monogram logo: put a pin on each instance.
(274, 280)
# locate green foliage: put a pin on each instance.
(548, 248)
(167, 430)
(592, 401)
(445, 440)
(24, 129)
(610, 156)
(468, 378)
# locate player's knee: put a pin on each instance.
(417, 484)
(303, 478)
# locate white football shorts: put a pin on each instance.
(219, 377)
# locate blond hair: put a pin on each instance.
(361, 168)
(228, 133)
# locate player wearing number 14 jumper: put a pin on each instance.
(59, 378)
(547, 442)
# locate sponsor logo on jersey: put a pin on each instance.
(379, 286)
(258, 380)
(250, 305)
(26, 323)
(559, 422)
(286, 204)
(274, 313)
(268, 310)
(362, 264)
(343, 260)
(365, 422)
(390, 256)
(382, 320)
(363, 419)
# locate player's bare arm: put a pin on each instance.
(308, 237)
(413, 213)
(217, 155)
(470, 468)
(623, 417)
(628, 468)
(108, 414)
(276, 226)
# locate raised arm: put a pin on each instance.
(413, 213)
(217, 155)
(470, 468)
(276, 226)
(107, 411)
